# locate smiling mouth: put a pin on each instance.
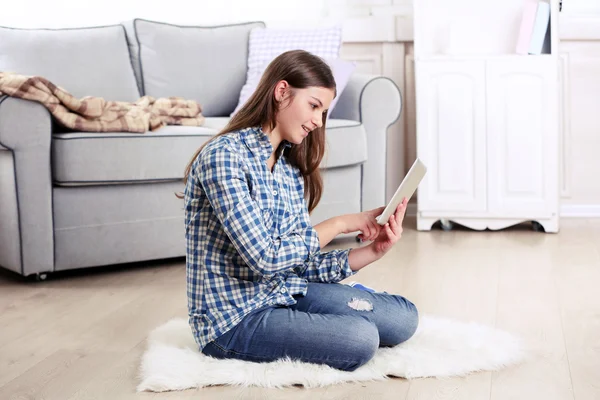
(305, 129)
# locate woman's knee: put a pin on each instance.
(405, 324)
(363, 344)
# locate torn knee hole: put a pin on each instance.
(360, 304)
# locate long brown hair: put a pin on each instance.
(300, 70)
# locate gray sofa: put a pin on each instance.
(76, 200)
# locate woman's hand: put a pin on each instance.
(365, 222)
(391, 232)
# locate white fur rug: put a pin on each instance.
(440, 348)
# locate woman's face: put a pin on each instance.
(302, 113)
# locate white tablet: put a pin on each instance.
(406, 189)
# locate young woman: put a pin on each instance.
(259, 287)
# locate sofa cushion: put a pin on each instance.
(85, 62)
(81, 158)
(203, 63)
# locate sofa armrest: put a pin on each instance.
(26, 133)
(376, 102)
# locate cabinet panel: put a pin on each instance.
(451, 134)
(522, 112)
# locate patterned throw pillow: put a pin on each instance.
(266, 44)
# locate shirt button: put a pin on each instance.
(282, 290)
(274, 192)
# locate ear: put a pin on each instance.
(280, 90)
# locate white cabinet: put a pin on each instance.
(487, 120)
(451, 135)
(523, 136)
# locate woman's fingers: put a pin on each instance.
(401, 211)
(376, 229)
(399, 208)
(396, 226)
(389, 232)
(371, 231)
(375, 212)
(402, 207)
(393, 224)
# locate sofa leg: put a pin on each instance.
(39, 277)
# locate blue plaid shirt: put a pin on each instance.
(250, 243)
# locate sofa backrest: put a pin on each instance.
(84, 61)
(203, 63)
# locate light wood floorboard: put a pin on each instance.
(81, 334)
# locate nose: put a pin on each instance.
(317, 121)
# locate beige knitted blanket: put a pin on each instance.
(95, 114)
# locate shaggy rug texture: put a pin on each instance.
(440, 348)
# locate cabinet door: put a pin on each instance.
(451, 135)
(523, 123)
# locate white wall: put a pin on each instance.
(581, 7)
(76, 13)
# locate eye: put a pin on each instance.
(313, 106)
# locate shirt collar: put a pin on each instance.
(258, 142)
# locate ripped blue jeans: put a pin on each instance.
(334, 324)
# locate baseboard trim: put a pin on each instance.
(580, 211)
(566, 211)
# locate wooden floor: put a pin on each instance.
(80, 335)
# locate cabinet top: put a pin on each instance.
(473, 27)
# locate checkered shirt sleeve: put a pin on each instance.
(222, 176)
